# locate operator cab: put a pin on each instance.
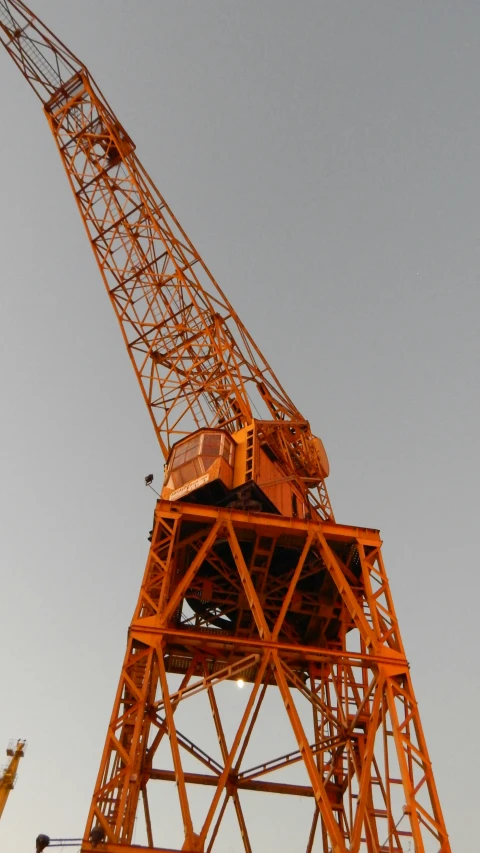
(202, 462)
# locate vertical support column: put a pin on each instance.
(363, 748)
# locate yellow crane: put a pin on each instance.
(15, 752)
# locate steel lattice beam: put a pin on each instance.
(364, 751)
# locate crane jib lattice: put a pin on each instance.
(249, 579)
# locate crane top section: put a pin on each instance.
(15, 751)
(42, 58)
(16, 748)
(196, 363)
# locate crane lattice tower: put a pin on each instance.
(15, 751)
(249, 579)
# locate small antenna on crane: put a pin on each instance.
(43, 841)
(149, 481)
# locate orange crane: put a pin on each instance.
(249, 578)
(15, 751)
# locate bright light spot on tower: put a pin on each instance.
(240, 682)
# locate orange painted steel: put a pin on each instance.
(15, 751)
(324, 633)
(298, 609)
(196, 363)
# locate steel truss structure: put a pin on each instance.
(299, 611)
(361, 744)
(196, 363)
(8, 774)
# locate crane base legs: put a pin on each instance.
(264, 657)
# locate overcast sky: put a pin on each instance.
(324, 158)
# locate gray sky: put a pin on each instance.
(323, 157)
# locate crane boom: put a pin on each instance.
(196, 363)
(15, 752)
(252, 580)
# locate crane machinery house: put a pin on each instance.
(239, 469)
